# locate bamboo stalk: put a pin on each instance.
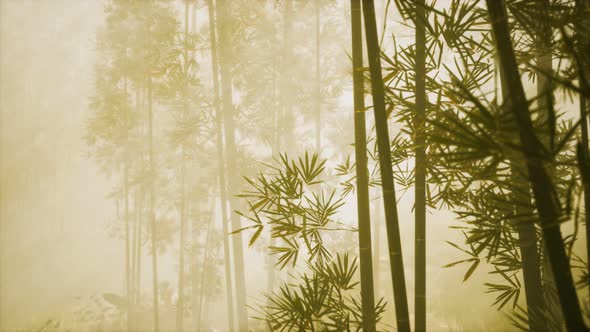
(384, 148)
(152, 195)
(542, 185)
(527, 236)
(180, 301)
(420, 170)
(362, 172)
(221, 165)
(317, 88)
(582, 28)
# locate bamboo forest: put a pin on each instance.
(294, 165)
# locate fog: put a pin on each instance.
(62, 216)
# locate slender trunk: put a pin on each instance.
(582, 29)
(544, 84)
(139, 245)
(585, 155)
(275, 150)
(137, 215)
(362, 172)
(543, 189)
(203, 271)
(133, 263)
(180, 302)
(420, 170)
(225, 61)
(527, 241)
(152, 198)
(221, 167)
(531, 270)
(287, 116)
(141, 189)
(126, 193)
(527, 236)
(377, 220)
(192, 223)
(317, 92)
(383, 143)
(134, 259)
(547, 116)
(136, 233)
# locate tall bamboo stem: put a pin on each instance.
(542, 185)
(420, 169)
(383, 144)
(221, 165)
(362, 171)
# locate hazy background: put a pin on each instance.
(54, 203)
(55, 249)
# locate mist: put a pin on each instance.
(196, 127)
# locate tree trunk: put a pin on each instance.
(317, 88)
(203, 272)
(221, 166)
(547, 116)
(383, 144)
(126, 193)
(138, 207)
(582, 30)
(133, 245)
(377, 247)
(135, 258)
(544, 84)
(527, 236)
(527, 241)
(152, 198)
(420, 170)
(543, 189)
(181, 245)
(276, 141)
(287, 116)
(140, 211)
(139, 245)
(180, 300)
(362, 172)
(225, 61)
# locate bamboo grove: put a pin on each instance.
(291, 130)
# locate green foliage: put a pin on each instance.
(474, 167)
(474, 155)
(320, 301)
(294, 201)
